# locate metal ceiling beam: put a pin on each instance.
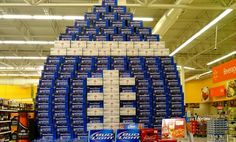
(169, 18)
(153, 6)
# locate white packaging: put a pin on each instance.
(132, 52)
(94, 44)
(146, 52)
(90, 52)
(104, 52)
(58, 51)
(128, 96)
(110, 44)
(125, 44)
(128, 111)
(95, 96)
(111, 104)
(113, 126)
(94, 111)
(110, 74)
(161, 52)
(160, 44)
(62, 44)
(111, 119)
(141, 44)
(112, 112)
(78, 44)
(118, 52)
(94, 82)
(111, 81)
(127, 81)
(74, 51)
(113, 90)
(111, 96)
(94, 126)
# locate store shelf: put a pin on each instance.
(8, 110)
(6, 132)
(5, 121)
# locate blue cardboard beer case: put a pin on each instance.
(105, 135)
(109, 2)
(127, 135)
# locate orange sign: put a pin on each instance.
(218, 91)
(224, 72)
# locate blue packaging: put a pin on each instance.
(176, 98)
(172, 75)
(60, 99)
(126, 74)
(103, 67)
(144, 31)
(127, 135)
(92, 31)
(119, 60)
(105, 135)
(45, 91)
(153, 60)
(83, 75)
(77, 99)
(134, 38)
(78, 91)
(51, 68)
(46, 129)
(65, 75)
(78, 83)
(145, 82)
(128, 104)
(152, 38)
(46, 83)
(60, 107)
(137, 60)
(118, 9)
(128, 31)
(82, 23)
(103, 60)
(109, 2)
(95, 119)
(132, 126)
(88, 60)
(125, 16)
(128, 119)
(160, 99)
(76, 114)
(177, 113)
(71, 60)
(100, 9)
(85, 67)
(92, 16)
(78, 122)
(62, 91)
(111, 30)
(44, 122)
(140, 74)
(62, 83)
(60, 114)
(110, 16)
(136, 24)
(54, 60)
(102, 38)
(66, 37)
(101, 23)
(73, 30)
(167, 60)
(156, 75)
(170, 68)
(119, 24)
(98, 74)
(43, 114)
(158, 90)
(43, 99)
(118, 37)
(95, 104)
(176, 105)
(62, 129)
(119, 67)
(174, 83)
(127, 89)
(77, 106)
(84, 37)
(43, 106)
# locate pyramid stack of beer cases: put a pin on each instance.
(83, 91)
(216, 130)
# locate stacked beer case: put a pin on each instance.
(105, 72)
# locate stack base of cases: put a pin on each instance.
(216, 130)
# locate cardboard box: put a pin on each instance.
(127, 45)
(112, 119)
(104, 52)
(94, 126)
(141, 45)
(127, 81)
(95, 97)
(132, 52)
(78, 44)
(128, 96)
(62, 44)
(161, 52)
(128, 111)
(111, 82)
(118, 52)
(113, 89)
(74, 51)
(111, 104)
(112, 112)
(94, 44)
(110, 73)
(90, 52)
(94, 111)
(58, 51)
(110, 44)
(146, 52)
(94, 82)
(159, 44)
(113, 126)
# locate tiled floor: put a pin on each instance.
(200, 139)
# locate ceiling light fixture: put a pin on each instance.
(20, 75)
(209, 25)
(205, 73)
(22, 58)
(187, 68)
(59, 17)
(26, 42)
(221, 58)
(39, 68)
(197, 76)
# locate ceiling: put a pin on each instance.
(193, 15)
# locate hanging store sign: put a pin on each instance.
(219, 91)
(224, 72)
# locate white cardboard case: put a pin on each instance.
(58, 51)
(127, 96)
(118, 52)
(141, 44)
(62, 44)
(146, 52)
(158, 44)
(90, 52)
(94, 81)
(94, 111)
(94, 126)
(125, 44)
(95, 96)
(78, 44)
(94, 44)
(104, 52)
(128, 111)
(112, 126)
(127, 81)
(74, 51)
(132, 51)
(110, 44)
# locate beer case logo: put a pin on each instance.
(101, 136)
(127, 135)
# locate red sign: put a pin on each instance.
(224, 72)
(218, 91)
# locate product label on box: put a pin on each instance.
(102, 38)
(144, 31)
(118, 9)
(128, 31)
(92, 16)
(82, 23)
(110, 31)
(73, 30)
(101, 136)
(152, 38)
(124, 135)
(110, 16)
(135, 38)
(84, 37)
(119, 24)
(101, 9)
(92, 31)
(125, 16)
(136, 24)
(109, 2)
(102, 23)
(66, 37)
(118, 37)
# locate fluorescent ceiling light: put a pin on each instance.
(21, 68)
(209, 25)
(205, 73)
(20, 75)
(187, 68)
(26, 42)
(59, 17)
(197, 76)
(22, 58)
(221, 58)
